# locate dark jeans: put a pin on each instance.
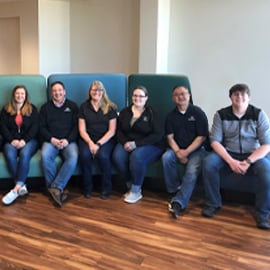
(103, 158)
(185, 186)
(212, 165)
(133, 165)
(58, 177)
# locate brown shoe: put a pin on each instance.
(56, 195)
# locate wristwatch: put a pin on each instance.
(248, 161)
(99, 144)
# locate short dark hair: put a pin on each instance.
(57, 82)
(180, 85)
(141, 87)
(240, 87)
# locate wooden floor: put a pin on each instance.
(97, 234)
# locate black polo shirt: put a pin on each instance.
(97, 123)
(186, 126)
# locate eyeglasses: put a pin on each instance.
(138, 96)
(97, 90)
(181, 94)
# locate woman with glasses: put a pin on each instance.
(139, 137)
(97, 126)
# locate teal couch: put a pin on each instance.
(36, 85)
(77, 86)
(119, 88)
(160, 88)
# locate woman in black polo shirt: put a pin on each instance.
(97, 126)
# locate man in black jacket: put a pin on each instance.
(58, 128)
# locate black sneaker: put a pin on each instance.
(171, 195)
(210, 211)
(87, 195)
(56, 195)
(263, 224)
(175, 208)
(105, 195)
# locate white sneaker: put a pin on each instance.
(10, 197)
(126, 194)
(170, 208)
(23, 190)
(133, 197)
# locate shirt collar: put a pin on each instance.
(59, 104)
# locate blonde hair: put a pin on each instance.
(105, 103)
(11, 105)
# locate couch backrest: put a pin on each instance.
(35, 84)
(160, 88)
(77, 86)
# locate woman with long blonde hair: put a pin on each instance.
(97, 126)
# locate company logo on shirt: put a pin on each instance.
(67, 109)
(191, 118)
(145, 119)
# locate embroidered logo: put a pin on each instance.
(145, 119)
(191, 118)
(67, 109)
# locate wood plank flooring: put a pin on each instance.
(97, 234)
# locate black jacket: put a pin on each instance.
(146, 130)
(59, 122)
(28, 130)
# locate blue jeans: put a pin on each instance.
(212, 165)
(54, 177)
(132, 165)
(18, 160)
(104, 161)
(185, 187)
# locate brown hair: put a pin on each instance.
(141, 87)
(11, 105)
(240, 87)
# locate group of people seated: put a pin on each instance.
(239, 140)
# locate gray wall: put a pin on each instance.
(216, 43)
(220, 43)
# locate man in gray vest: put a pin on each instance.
(240, 138)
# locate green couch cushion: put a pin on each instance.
(35, 84)
(159, 87)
